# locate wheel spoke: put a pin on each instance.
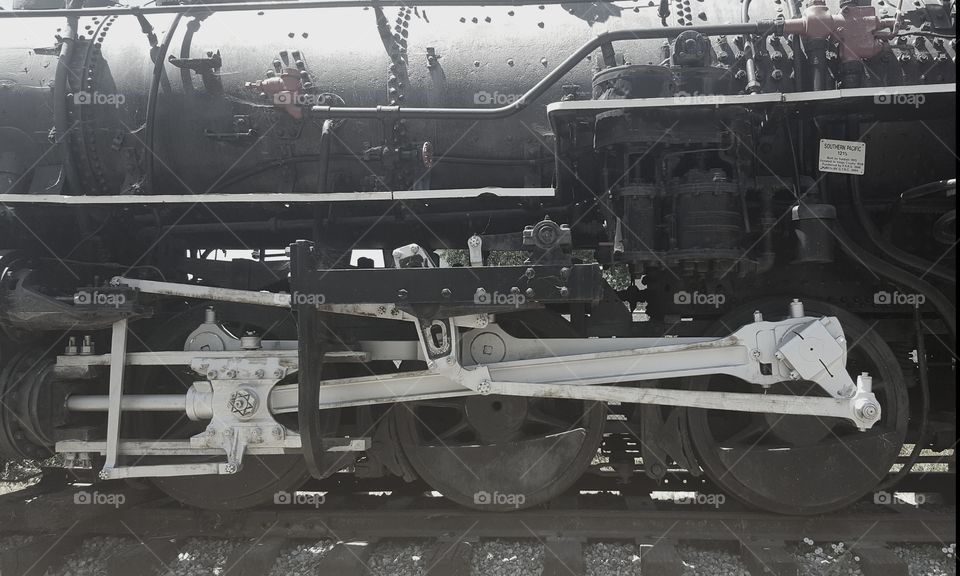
(748, 435)
(453, 432)
(453, 404)
(555, 422)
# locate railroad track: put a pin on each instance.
(53, 520)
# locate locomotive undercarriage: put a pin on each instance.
(695, 292)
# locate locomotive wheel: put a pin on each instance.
(802, 464)
(502, 452)
(257, 482)
(26, 422)
(261, 477)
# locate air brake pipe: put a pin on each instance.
(762, 28)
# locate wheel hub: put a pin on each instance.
(496, 419)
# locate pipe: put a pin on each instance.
(257, 6)
(762, 28)
(326, 135)
(753, 86)
(60, 89)
(928, 189)
(942, 228)
(817, 55)
(129, 403)
(899, 276)
(890, 251)
(153, 96)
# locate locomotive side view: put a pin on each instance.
(493, 248)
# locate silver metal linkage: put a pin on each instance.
(238, 392)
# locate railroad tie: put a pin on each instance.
(769, 559)
(563, 557)
(346, 559)
(146, 557)
(878, 560)
(43, 553)
(446, 558)
(661, 559)
(254, 558)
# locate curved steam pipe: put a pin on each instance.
(890, 251)
(900, 276)
(762, 28)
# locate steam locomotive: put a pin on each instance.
(499, 248)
